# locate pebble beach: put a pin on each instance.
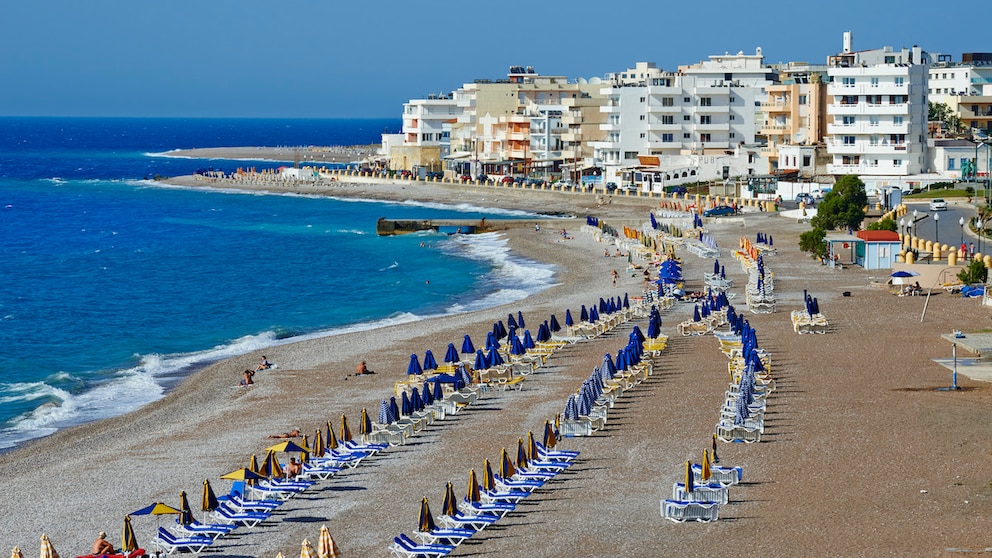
(861, 455)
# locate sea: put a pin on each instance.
(115, 286)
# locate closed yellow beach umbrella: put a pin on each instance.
(449, 506)
(271, 467)
(209, 500)
(426, 524)
(532, 452)
(47, 550)
(506, 469)
(305, 455)
(488, 482)
(332, 440)
(128, 542)
(318, 443)
(253, 464)
(522, 461)
(185, 513)
(716, 458)
(550, 440)
(326, 548)
(473, 494)
(307, 551)
(345, 431)
(365, 428)
(16, 553)
(705, 473)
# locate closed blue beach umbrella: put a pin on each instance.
(494, 359)
(636, 333)
(414, 367)
(499, 329)
(416, 403)
(654, 221)
(384, 415)
(528, 340)
(517, 346)
(491, 341)
(511, 322)
(438, 391)
(654, 328)
(553, 324)
(593, 315)
(452, 354)
(480, 360)
(520, 319)
(584, 315)
(716, 266)
(543, 334)
(426, 395)
(394, 410)
(602, 305)
(405, 407)
(569, 322)
(626, 302)
(467, 347)
(695, 313)
(429, 362)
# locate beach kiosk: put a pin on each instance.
(868, 249)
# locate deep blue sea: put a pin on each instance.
(113, 287)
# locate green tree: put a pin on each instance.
(844, 206)
(814, 242)
(937, 112)
(887, 224)
(976, 272)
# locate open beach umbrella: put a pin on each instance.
(345, 431)
(429, 362)
(288, 446)
(467, 346)
(480, 361)
(307, 551)
(326, 547)
(185, 513)
(689, 487)
(520, 319)
(365, 426)
(705, 471)
(47, 550)
(208, 502)
(511, 322)
(318, 443)
(452, 354)
(449, 506)
(426, 519)
(128, 542)
(414, 367)
(553, 324)
(473, 494)
(488, 482)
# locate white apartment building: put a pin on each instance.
(970, 77)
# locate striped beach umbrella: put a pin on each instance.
(208, 502)
(185, 513)
(426, 519)
(128, 542)
(345, 431)
(449, 506)
(47, 550)
(326, 547)
(307, 551)
(473, 494)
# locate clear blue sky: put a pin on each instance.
(336, 59)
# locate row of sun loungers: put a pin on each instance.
(701, 503)
(803, 322)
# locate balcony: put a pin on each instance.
(713, 109)
(868, 108)
(652, 108)
(611, 109)
(890, 88)
(659, 125)
(776, 106)
(867, 128)
(864, 168)
(610, 127)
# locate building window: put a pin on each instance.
(849, 140)
(806, 160)
(950, 163)
(667, 138)
(849, 100)
(897, 100)
(705, 119)
(685, 135)
(667, 102)
(874, 82)
(732, 117)
(643, 99)
(873, 120)
(802, 99)
(667, 119)
(642, 117)
(705, 102)
(896, 162)
(873, 140)
(849, 120)
(686, 118)
(897, 120)
(704, 138)
(686, 99)
(642, 135)
(733, 135)
(848, 82)
(902, 81)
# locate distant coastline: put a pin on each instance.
(340, 154)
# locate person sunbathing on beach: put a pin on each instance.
(294, 433)
(293, 469)
(362, 369)
(101, 545)
(264, 365)
(246, 377)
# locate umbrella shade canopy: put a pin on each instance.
(706, 471)
(158, 508)
(520, 319)
(506, 468)
(287, 446)
(451, 355)
(550, 440)
(332, 440)
(568, 318)
(47, 550)
(345, 431)
(473, 493)
(426, 519)
(511, 322)
(326, 547)
(553, 324)
(128, 541)
(480, 361)
(242, 474)
(904, 273)
(467, 346)
(185, 513)
(528, 340)
(414, 367)
(308, 550)
(517, 346)
(449, 506)
(208, 502)
(429, 362)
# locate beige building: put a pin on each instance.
(794, 114)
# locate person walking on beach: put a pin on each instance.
(615, 277)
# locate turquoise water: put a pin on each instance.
(114, 288)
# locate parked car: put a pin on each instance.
(465, 177)
(938, 204)
(719, 211)
(803, 197)
(611, 187)
(507, 179)
(818, 194)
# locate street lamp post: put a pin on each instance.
(978, 225)
(912, 224)
(936, 229)
(902, 226)
(961, 222)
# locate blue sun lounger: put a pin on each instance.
(224, 514)
(212, 530)
(170, 543)
(405, 547)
